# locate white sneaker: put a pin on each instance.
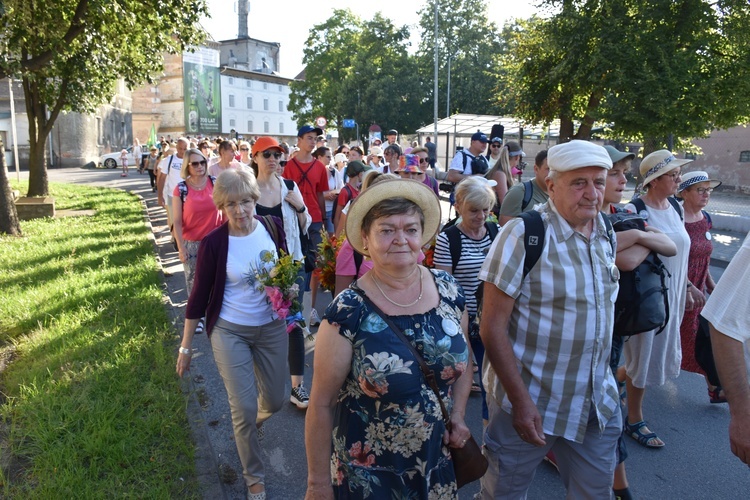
(300, 397)
(314, 318)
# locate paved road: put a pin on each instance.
(695, 464)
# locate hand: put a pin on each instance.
(699, 300)
(528, 423)
(739, 437)
(459, 434)
(689, 301)
(294, 199)
(183, 364)
(319, 492)
(183, 255)
(161, 201)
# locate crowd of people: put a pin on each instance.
(517, 303)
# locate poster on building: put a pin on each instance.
(202, 90)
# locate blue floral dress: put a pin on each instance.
(388, 428)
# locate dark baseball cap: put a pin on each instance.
(392, 131)
(479, 136)
(354, 168)
(307, 129)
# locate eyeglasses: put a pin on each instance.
(703, 191)
(196, 164)
(282, 163)
(674, 175)
(234, 204)
(268, 154)
(244, 149)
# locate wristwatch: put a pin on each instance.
(302, 210)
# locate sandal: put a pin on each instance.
(716, 395)
(650, 440)
(475, 387)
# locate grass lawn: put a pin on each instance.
(90, 403)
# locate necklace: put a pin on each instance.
(421, 286)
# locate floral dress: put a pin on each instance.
(388, 428)
(698, 262)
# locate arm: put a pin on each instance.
(177, 226)
(342, 282)
(294, 198)
(183, 360)
(651, 238)
(454, 176)
(461, 390)
(331, 366)
(337, 220)
(502, 186)
(322, 203)
(160, 178)
(496, 312)
(730, 362)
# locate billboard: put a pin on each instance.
(202, 91)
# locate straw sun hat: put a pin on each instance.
(412, 190)
(659, 163)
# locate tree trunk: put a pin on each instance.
(8, 215)
(40, 127)
(584, 130)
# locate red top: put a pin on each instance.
(199, 214)
(344, 197)
(311, 178)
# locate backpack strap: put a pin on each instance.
(183, 188)
(169, 165)
(491, 229)
(358, 258)
(289, 184)
(610, 231)
(454, 244)
(708, 218)
(639, 205)
(676, 205)
(528, 192)
(533, 239)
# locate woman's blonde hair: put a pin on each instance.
(185, 170)
(475, 192)
(235, 184)
(502, 164)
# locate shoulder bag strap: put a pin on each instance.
(428, 374)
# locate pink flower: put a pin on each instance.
(361, 456)
(373, 389)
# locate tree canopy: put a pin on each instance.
(69, 55)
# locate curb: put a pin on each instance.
(206, 466)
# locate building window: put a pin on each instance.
(265, 104)
(249, 125)
(281, 127)
(745, 156)
(232, 122)
(266, 127)
(231, 100)
(265, 86)
(99, 131)
(248, 83)
(281, 89)
(231, 81)
(281, 106)
(249, 103)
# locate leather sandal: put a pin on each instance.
(635, 431)
(715, 395)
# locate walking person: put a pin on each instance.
(138, 155)
(195, 214)
(150, 164)
(248, 340)
(371, 404)
(283, 199)
(124, 162)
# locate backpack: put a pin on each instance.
(638, 307)
(454, 240)
(348, 191)
(528, 192)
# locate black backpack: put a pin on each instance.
(642, 304)
(454, 239)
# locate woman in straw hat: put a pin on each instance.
(651, 359)
(695, 191)
(369, 396)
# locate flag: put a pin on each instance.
(152, 137)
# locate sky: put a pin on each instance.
(288, 22)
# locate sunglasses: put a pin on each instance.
(422, 160)
(268, 154)
(196, 164)
(495, 145)
(244, 149)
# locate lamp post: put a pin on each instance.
(357, 122)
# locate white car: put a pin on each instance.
(112, 160)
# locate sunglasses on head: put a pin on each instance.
(196, 164)
(268, 154)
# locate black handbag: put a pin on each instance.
(469, 463)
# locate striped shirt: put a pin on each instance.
(561, 324)
(473, 254)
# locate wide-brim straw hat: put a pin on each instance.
(415, 191)
(696, 177)
(659, 163)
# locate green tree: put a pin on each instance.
(362, 70)
(649, 68)
(70, 56)
(473, 45)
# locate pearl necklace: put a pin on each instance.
(421, 289)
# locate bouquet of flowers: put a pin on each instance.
(429, 253)
(325, 264)
(278, 278)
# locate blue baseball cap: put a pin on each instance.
(307, 129)
(479, 136)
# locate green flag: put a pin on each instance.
(152, 137)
